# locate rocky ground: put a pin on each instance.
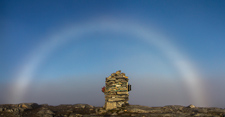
(85, 110)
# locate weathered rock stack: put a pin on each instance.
(116, 91)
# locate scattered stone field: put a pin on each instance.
(85, 110)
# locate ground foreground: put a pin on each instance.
(85, 110)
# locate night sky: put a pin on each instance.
(60, 52)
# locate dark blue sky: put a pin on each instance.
(196, 28)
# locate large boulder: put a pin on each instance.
(28, 105)
(45, 113)
(100, 111)
(191, 106)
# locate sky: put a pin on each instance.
(60, 52)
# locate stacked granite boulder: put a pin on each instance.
(116, 91)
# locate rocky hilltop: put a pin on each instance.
(85, 110)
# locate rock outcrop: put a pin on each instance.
(85, 110)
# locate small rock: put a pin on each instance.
(45, 113)
(100, 111)
(120, 112)
(201, 115)
(202, 110)
(9, 110)
(113, 74)
(75, 115)
(44, 105)
(96, 110)
(191, 106)
(21, 109)
(137, 110)
(168, 115)
(118, 72)
(83, 106)
(70, 110)
(114, 113)
(49, 112)
(16, 109)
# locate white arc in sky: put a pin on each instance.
(189, 73)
